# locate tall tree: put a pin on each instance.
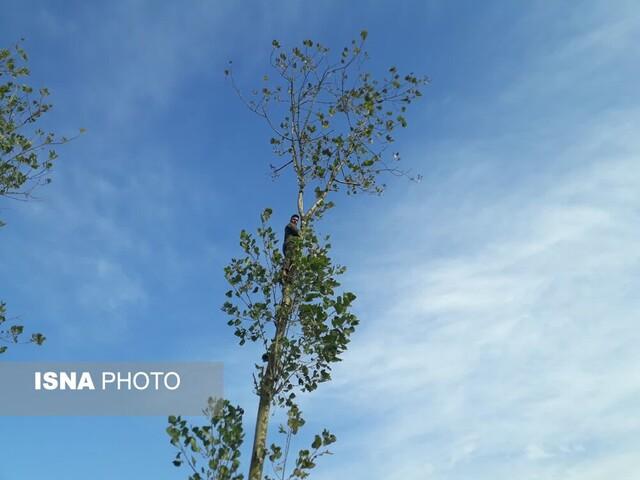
(332, 124)
(27, 152)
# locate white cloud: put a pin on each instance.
(516, 357)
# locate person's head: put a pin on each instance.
(294, 219)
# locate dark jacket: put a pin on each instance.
(290, 231)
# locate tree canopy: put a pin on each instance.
(27, 152)
(332, 123)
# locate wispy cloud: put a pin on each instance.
(519, 354)
(512, 353)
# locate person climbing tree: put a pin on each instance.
(291, 230)
(288, 246)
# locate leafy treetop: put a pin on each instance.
(331, 121)
(22, 167)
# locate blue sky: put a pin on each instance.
(497, 297)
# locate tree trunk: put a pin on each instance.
(267, 390)
(260, 438)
